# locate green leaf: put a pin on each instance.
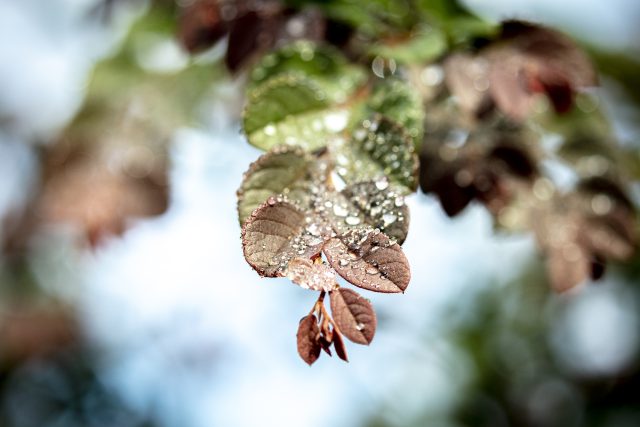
(424, 46)
(292, 110)
(396, 100)
(324, 64)
(285, 170)
(379, 148)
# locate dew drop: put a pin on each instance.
(360, 326)
(371, 270)
(389, 218)
(270, 130)
(340, 210)
(352, 220)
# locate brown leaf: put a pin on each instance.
(308, 339)
(201, 25)
(466, 77)
(338, 345)
(325, 344)
(354, 315)
(278, 231)
(368, 259)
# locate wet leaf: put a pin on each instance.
(310, 275)
(278, 231)
(326, 65)
(291, 110)
(283, 170)
(354, 315)
(379, 148)
(395, 99)
(308, 339)
(339, 347)
(368, 259)
(375, 204)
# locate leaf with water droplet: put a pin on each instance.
(367, 249)
(325, 64)
(278, 231)
(308, 339)
(379, 148)
(354, 315)
(283, 170)
(397, 100)
(293, 110)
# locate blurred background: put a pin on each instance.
(129, 303)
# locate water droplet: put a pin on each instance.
(389, 218)
(343, 262)
(270, 130)
(352, 220)
(340, 210)
(371, 270)
(399, 201)
(360, 326)
(382, 184)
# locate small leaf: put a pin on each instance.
(293, 110)
(368, 259)
(326, 65)
(283, 170)
(338, 345)
(278, 231)
(568, 267)
(464, 74)
(379, 148)
(354, 315)
(308, 339)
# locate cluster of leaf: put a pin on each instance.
(411, 92)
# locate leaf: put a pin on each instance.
(201, 25)
(465, 76)
(421, 47)
(395, 99)
(379, 148)
(354, 315)
(308, 339)
(291, 110)
(338, 345)
(326, 65)
(310, 275)
(568, 268)
(372, 203)
(368, 259)
(278, 231)
(283, 170)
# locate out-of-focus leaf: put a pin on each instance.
(338, 345)
(326, 65)
(368, 259)
(294, 111)
(283, 170)
(420, 47)
(379, 148)
(201, 25)
(277, 232)
(307, 338)
(354, 315)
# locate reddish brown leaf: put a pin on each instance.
(201, 25)
(338, 345)
(568, 267)
(354, 315)
(308, 339)
(276, 232)
(368, 259)
(325, 344)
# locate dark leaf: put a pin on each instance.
(201, 25)
(598, 267)
(368, 259)
(354, 315)
(250, 33)
(308, 339)
(325, 344)
(339, 347)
